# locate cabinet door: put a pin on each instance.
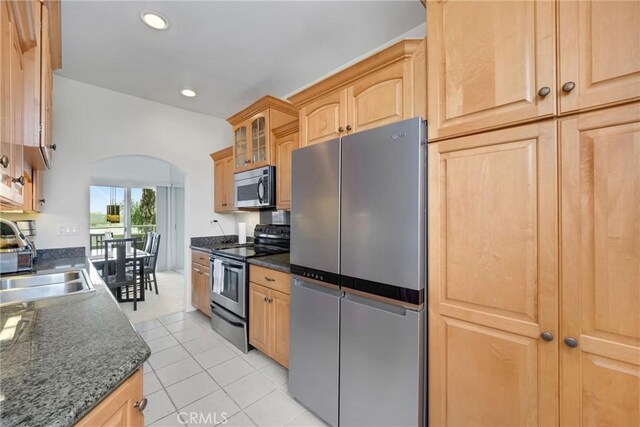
(196, 273)
(38, 190)
(284, 148)
(279, 303)
(17, 105)
(220, 185)
(231, 193)
(260, 136)
(6, 137)
(493, 278)
(118, 408)
(323, 119)
(379, 98)
(601, 276)
(599, 52)
(486, 63)
(241, 146)
(259, 328)
(46, 87)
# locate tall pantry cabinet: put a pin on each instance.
(534, 213)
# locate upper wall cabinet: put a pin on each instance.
(252, 131)
(490, 64)
(223, 185)
(599, 47)
(286, 140)
(385, 88)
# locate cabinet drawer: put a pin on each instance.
(270, 278)
(200, 258)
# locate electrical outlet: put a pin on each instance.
(67, 229)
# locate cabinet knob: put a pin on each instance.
(349, 127)
(547, 336)
(544, 91)
(571, 342)
(4, 161)
(19, 180)
(266, 299)
(54, 147)
(270, 300)
(568, 87)
(340, 129)
(141, 405)
(42, 201)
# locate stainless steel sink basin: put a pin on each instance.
(41, 286)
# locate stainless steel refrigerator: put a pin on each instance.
(358, 255)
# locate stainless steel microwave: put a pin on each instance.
(256, 188)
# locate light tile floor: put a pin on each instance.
(170, 299)
(196, 378)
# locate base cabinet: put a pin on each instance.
(123, 407)
(200, 282)
(269, 304)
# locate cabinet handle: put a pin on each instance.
(266, 299)
(54, 147)
(544, 91)
(141, 405)
(340, 129)
(547, 336)
(270, 300)
(269, 279)
(19, 180)
(42, 201)
(568, 87)
(349, 127)
(571, 342)
(4, 161)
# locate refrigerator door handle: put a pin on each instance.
(317, 287)
(389, 308)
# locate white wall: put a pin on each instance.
(135, 171)
(91, 124)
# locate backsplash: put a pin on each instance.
(57, 253)
(276, 217)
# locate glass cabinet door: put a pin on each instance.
(240, 146)
(258, 140)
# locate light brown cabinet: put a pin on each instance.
(600, 282)
(489, 64)
(252, 129)
(385, 88)
(123, 407)
(223, 185)
(286, 140)
(599, 51)
(269, 312)
(493, 278)
(25, 86)
(200, 282)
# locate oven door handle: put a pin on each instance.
(226, 319)
(260, 184)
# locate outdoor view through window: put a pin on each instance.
(136, 209)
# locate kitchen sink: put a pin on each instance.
(23, 288)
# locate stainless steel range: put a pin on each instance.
(229, 285)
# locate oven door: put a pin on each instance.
(255, 188)
(228, 284)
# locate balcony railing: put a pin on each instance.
(96, 233)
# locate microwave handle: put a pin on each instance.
(260, 184)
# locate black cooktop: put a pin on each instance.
(249, 251)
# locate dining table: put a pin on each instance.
(97, 257)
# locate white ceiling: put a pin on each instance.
(230, 52)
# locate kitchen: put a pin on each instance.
(474, 228)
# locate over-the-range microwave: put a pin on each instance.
(256, 188)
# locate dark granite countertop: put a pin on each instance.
(279, 262)
(72, 352)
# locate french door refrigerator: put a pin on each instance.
(357, 350)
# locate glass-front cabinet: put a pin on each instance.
(240, 146)
(252, 128)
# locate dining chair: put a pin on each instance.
(150, 266)
(148, 241)
(116, 272)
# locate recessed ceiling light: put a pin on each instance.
(188, 93)
(154, 20)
